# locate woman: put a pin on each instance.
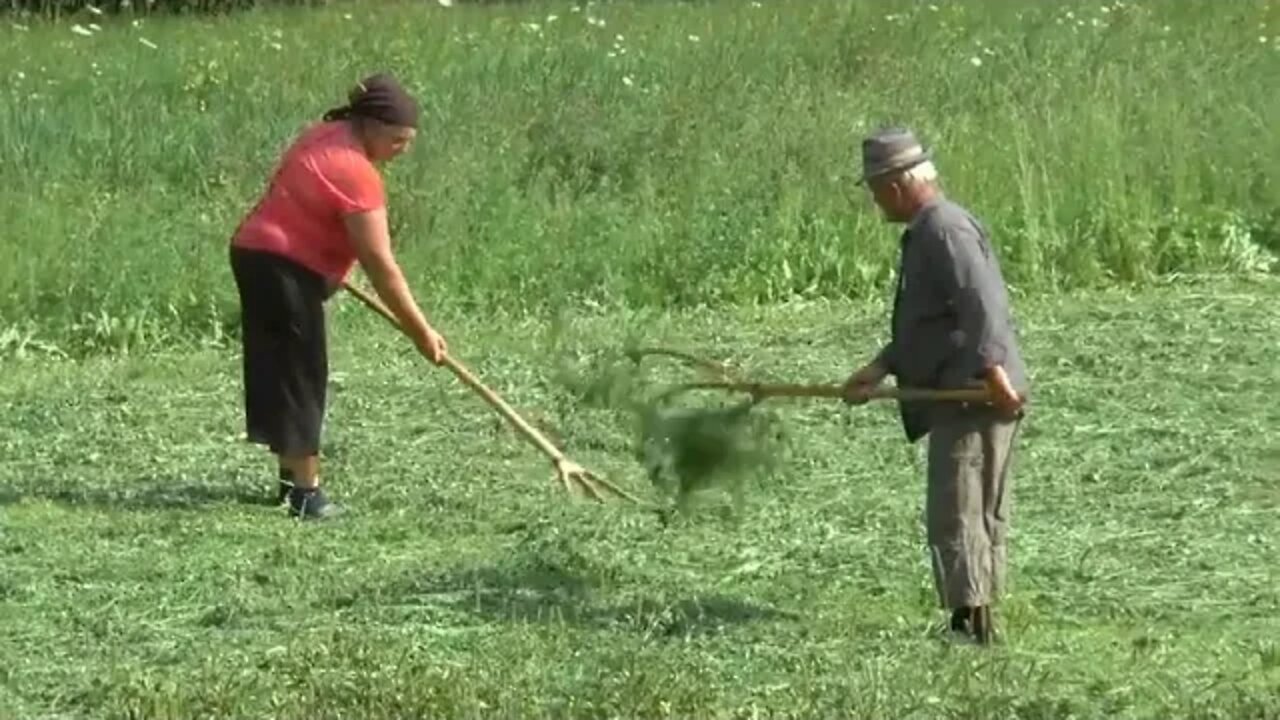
(324, 210)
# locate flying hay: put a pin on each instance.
(686, 444)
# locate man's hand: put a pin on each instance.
(860, 385)
(1003, 396)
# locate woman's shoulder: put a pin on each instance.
(324, 135)
(334, 143)
(333, 157)
(329, 147)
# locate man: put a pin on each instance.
(951, 328)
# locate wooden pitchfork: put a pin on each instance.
(759, 391)
(764, 391)
(571, 474)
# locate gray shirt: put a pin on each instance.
(951, 316)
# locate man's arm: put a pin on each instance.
(884, 358)
(962, 268)
(976, 293)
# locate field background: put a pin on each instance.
(678, 172)
(635, 154)
(143, 576)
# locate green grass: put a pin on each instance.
(669, 175)
(1100, 146)
(140, 579)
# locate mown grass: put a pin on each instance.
(655, 154)
(140, 579)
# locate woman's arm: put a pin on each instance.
(372, 240)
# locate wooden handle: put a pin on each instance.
(767, 390)
(531, 433)
(471, 381)
(719, 368)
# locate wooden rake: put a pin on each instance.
(571, 475)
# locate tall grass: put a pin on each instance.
(642, 154)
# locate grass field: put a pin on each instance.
(143, 578)
(679, 173)
(624, 154)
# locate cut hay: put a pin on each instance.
(688, 451)
(687, 442)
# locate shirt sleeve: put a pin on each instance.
(974, 290)
(350, 182)
(885, 358)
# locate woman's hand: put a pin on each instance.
(431, 344)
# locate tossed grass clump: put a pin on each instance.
(687, 443)
(689, 450)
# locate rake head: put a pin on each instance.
(579, 480)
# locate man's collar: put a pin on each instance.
(923, 209)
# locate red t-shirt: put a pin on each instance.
(323, 176)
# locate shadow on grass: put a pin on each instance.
(536, 589)
(149, 495)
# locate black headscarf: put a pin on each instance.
(378, 97)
